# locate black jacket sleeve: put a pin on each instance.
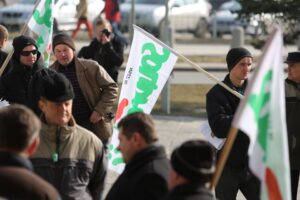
(150, 187)
(114, 52)
(219, 111)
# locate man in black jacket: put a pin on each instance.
(147, 167)
(221, 106)
(107, 49)
(25, 61)
(292, 95)
(19, 138)
(192, 167)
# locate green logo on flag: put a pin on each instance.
(115, 155)
(41, 24)
(147, 83)
(46, 18)
(259, 104)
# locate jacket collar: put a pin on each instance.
(297, 85)
(150, 153)
(77, 62)
(13, 159)
(240, 90)
(50, 131)
(188, 188)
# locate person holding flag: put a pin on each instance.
(292, 98)
(261, 115)
(221, 106)
(25, 61)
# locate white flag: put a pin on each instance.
(41, 23)
(261, 115)
(148, 68)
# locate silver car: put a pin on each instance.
(226, 19)
(185, 15)
(16, 15)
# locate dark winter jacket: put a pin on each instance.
(14, 84)
(19, 182)
(190, 192)
(109, 56)
(221, 106)
(144, 177)
(72, 159)
(3, 56)
(292, 93)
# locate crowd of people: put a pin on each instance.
(61, 119)
(55, 134)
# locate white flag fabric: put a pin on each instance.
(41, 23)
(261, 115)
(148, 68)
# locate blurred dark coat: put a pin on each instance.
(190, 192)
(3, 55)
(14, 84)
(292, 95)
(221, 106)
(19, 182)
(144, 177)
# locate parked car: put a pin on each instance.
(226, 19)
(185, 15)
(16, 15)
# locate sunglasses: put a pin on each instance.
(27, 53)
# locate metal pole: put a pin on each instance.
(131, 20)
(214, 24)
(167, 37)
(237, 37)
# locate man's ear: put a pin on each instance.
(138, 140)
(135, 137)
(30, 150)
(41, 104)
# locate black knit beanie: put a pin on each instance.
(62, 38)
(194, 160)
(20, 42)
(234, 55)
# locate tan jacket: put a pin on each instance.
(99, 90)
(80, 168)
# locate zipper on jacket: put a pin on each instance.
(55, 155)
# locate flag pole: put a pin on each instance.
(197, 67)
(23, 30)
(223, 157)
